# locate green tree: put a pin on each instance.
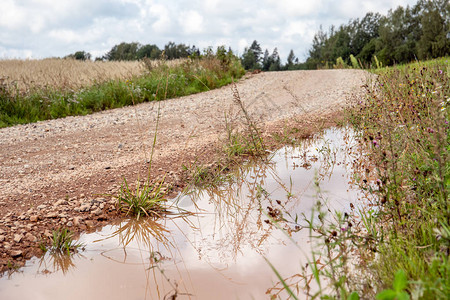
(363, 43)
(275, 61)
(290, 64)
(266, 61)
(256, 49)
(316, 57)
(80, 55)
(433, 42)
(251, 59)
(123, 51)
(248, 60)
(174, 51)
(396, 43)
(148, 51)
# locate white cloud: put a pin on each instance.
(45, 28)
(163, 20)
(11, 16)
(298, 8)
(191, 22)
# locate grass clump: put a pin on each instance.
(145, 200)
(62, 241)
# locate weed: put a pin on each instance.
(354, 61)
(145, 200)
(247, 142)
(62, 241)
(398, 291)
(207, 175)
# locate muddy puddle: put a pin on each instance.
(216, 252)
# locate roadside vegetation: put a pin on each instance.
(160, 80)
(395, 243)
(404, 123)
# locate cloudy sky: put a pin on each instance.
(47, 28)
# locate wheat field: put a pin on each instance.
(24, 76)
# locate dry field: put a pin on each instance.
(63, 74)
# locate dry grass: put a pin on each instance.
(63, 74)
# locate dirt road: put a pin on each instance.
(51, 172)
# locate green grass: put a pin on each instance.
(61, 242)
(159, 83)
(144, 200)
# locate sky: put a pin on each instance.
(48, 28)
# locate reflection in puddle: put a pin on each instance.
(215, 252)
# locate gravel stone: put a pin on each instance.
(85, 207)
(31, 238)
(18, 238)
(16, 253)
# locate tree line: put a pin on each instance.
(404, 34)
(138, 51)
(421, 31)
(254, 59)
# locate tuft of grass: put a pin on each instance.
(62, 242)
(145, 200)
(354, 61)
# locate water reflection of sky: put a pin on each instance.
(215, 253)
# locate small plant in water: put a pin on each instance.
(147, 199)
(62, 241)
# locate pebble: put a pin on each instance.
(42, 206)
(52, 215)
(17, 238)
(60, 202)
(34, 218)
(31, 238)
(85, 207)
(76, 221)
(97, 212)
(2, 238)
(16, 253)
(89, 223)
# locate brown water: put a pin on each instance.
(215, 253)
